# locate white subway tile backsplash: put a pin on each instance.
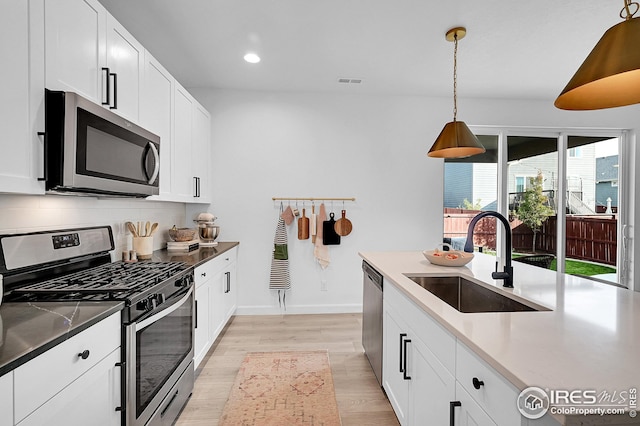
(27, 213)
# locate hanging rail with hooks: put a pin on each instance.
(312, 199)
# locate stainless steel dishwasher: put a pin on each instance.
(372, 318)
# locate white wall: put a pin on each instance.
(27, 213)
(373, 148)
(311, 145)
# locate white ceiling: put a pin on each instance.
(513, 49)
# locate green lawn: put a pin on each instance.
(575, 267)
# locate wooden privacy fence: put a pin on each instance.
(590, 238)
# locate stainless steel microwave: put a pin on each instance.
(90, 150)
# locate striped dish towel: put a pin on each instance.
(280, 279)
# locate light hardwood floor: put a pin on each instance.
(360, 399)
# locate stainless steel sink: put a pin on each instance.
(469, 297)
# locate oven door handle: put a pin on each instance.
(168, 310)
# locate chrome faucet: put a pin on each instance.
(507, 274)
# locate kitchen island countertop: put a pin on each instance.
(589, 339)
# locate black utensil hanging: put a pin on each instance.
(329, 235)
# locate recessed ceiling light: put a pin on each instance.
(252, 58)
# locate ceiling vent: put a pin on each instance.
(350, 80)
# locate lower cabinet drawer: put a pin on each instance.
(487, 387)
(92, 399)
(40, 379)
(215, 265)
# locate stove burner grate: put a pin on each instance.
(110, 278)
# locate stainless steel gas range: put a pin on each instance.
(157, 327)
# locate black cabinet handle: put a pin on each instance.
(84, 354)
(204, 274)
(402, 336)
(108, 84)
(196, 186)
(228, 289)
(404, 373)
(196, 314)
(477, 383)
(452, 411)
(44, 148)
(115, 91)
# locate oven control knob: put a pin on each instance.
(145, 305)
(160, 298)
(184, 281)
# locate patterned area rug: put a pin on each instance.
(281, 389)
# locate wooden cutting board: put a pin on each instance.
(303, 227)
(329, 236)
(343, 226)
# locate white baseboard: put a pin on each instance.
(299, 309)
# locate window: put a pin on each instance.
(470, 186)
(575, 152)
(588, 196)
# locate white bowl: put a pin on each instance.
(448, 258)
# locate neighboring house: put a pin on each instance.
(474, 182)
(478, 181)
(606, 182)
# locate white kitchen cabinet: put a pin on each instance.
(156, 115)
(432, 385)
(77, 46)
(191, 149)
(125, 60)
(393, 382)
(91, 399)
(230, 284)
(201, 153)
(495, 395)
(216, 300)
(76, 380)
(75, 34)
(419, 386)
(90, 53)
(21, 80)
(440, 371)
(182, 182)
(203, 325)
(6, 399)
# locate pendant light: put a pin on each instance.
(610, 76)
(455, 139)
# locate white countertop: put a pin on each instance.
(590, 339)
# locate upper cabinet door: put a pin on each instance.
(21, 80)
(201, 152)
(183, 182)
(156, 115)
(75, 47)
(125, 60)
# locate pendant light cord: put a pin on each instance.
(455, 76)
(625, 13)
